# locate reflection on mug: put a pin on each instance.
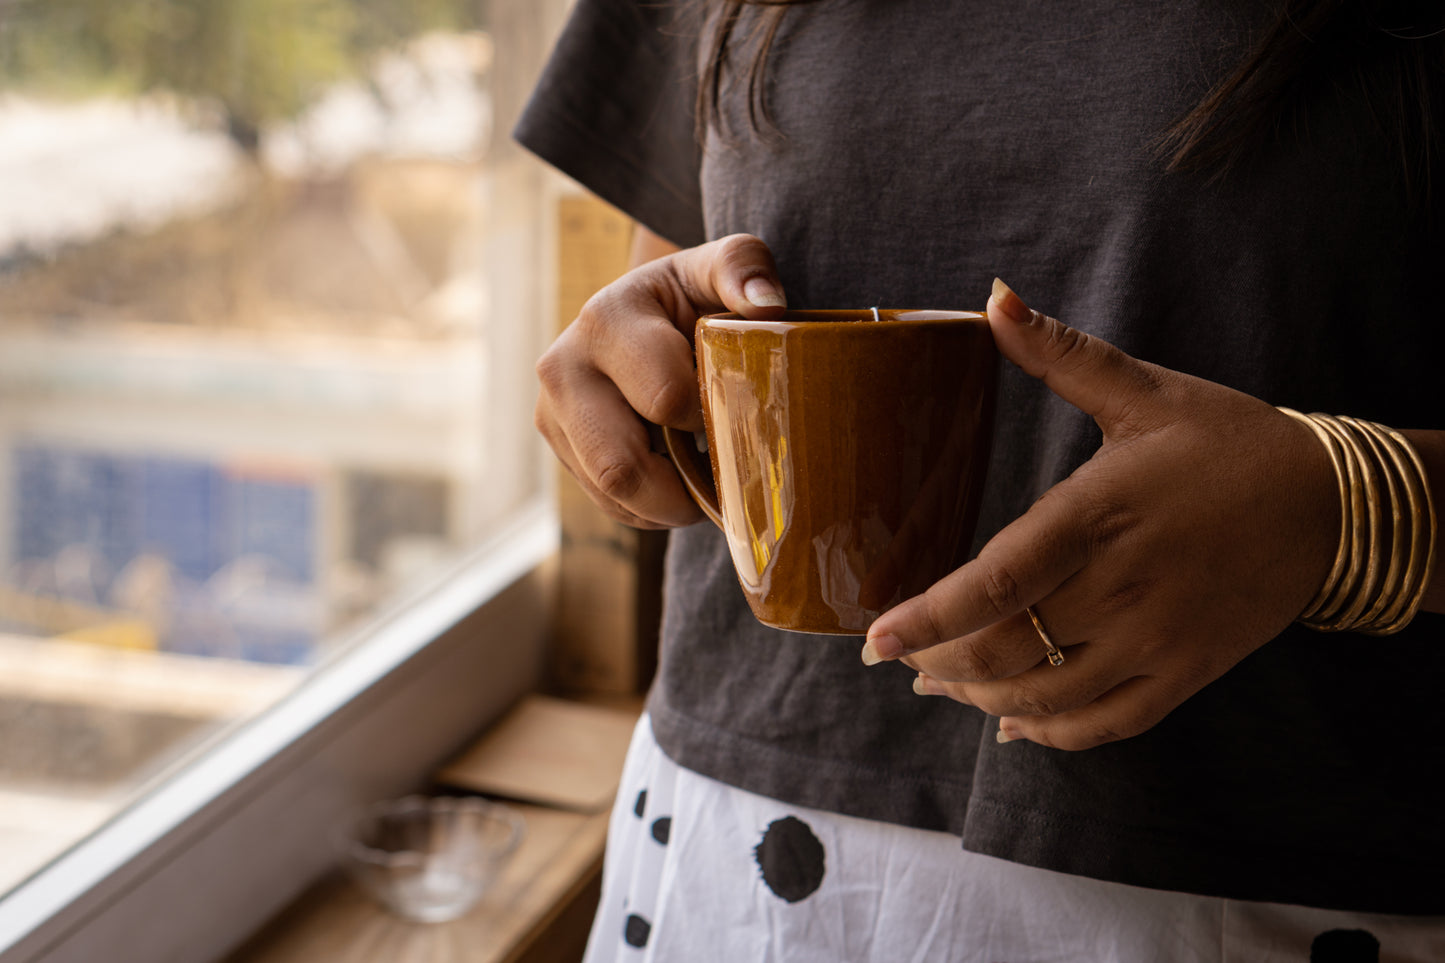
(753, 461)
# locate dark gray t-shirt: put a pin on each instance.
(926, 146)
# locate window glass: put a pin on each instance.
(251, 384)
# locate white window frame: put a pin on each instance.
(193, 869)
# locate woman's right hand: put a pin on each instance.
(627, 360)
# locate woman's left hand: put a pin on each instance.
(1201, 527)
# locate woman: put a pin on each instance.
(1231, 206)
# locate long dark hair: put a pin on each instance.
(1390, 52)
(720, 39)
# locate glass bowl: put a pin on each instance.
(430, 859)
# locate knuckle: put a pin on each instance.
(974, 663)
(738, 248)
(1066, 739)
(1112, 519)
(1067, 347)
(551, 369)
(607, 505)
(619, 478)
(1097, 726)
(542, 421)
(546, 424)
(1126, 595)
(933, 627)
(604, 310)
(742, 253)
(671, 403)
(595, 309)
(1031, 702)
(1095, 732)
(1105, 517)
(1001, 590)
(991, 701)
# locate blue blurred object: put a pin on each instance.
(239, 545)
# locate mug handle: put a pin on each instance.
(698, 482)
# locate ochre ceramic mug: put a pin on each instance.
(846, 454)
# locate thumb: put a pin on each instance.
(735, 272)
(1087, 372)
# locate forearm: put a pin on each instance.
(647, 246)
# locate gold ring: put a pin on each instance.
(1056, 657)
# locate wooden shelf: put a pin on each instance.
(564, 758)
(538, 911)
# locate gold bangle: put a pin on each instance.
(1325, 617)
(1388, 529)
(1389, 598)
(1337, 568)
(1362, 583)
(1424, 531)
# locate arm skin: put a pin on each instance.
(647, 246)
(1196, 533)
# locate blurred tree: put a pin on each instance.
(258, 61)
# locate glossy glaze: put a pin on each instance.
(848, 455)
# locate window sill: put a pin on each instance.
(195, 867)
(541, 909)
(544, 899)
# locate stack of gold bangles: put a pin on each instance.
(1387, 539)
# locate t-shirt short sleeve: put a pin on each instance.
(614, 110)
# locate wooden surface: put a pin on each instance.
(538, 911)
(609, 597)
(541, 908)
(549, 751)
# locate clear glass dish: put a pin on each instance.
(430, 859)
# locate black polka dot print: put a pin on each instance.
(636, 931)
(639, 807)
(1345, 946)
(791, 859)
(662, 829)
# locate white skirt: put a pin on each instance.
(701, 872)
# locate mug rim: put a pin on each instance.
(842, 317)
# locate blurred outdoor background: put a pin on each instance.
(248, 328)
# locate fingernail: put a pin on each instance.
(763, 293)
(1005, 735)
(1009, 303)
(927, 686)
(881, 649)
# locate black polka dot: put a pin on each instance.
(1345, 946)
(637, 930)
(661, 829)
(641, 805)
(791, 859)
